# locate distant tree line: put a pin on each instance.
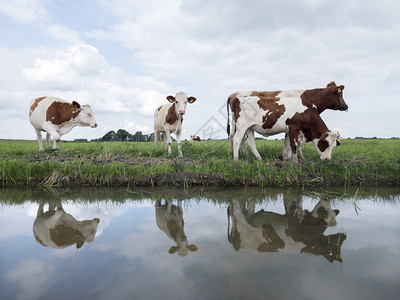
(124, 136)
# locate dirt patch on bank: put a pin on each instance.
(178, 178)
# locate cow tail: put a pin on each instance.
(229, 220)
(228, 126)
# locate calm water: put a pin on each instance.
(201, 244)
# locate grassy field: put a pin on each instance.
(356, 162)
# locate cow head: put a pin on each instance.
(85, 117)
(335, 97)
(326, 143)
(324, 213)
(180, 101)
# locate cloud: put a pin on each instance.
(24, 11)
(67, 70)
(140, 52)
(33, 276)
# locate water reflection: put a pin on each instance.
(57, 229)
(169, 218)
(296, 231)
(258, 259)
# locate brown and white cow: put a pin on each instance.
(294, 112)
(57, 117)
(169, 218)
(168, 118)
(297, 231)
(57, 229)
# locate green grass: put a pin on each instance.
(355, 162)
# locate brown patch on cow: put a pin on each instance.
(234, 103)
(35, 104)
(275, 110)
(323, 143)
(312, 126)
(158, 109)
(171, 117)
(310, 123)
(63, 235)
(267, 94)
(274, 241)
(325, 98)
(61, 112)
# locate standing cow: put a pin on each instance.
(294, 112)
(57, 229)
(168, 118)
(57, 117)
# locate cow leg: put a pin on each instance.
(293, 138)
(243, 147)
(237, 139)
(178, 140)
(300, 141)
(156, 137)
(39, 138)
(251, 141)
(53, 132)
(40, 210)
(48, 140)
(287, 151)
(168, 141)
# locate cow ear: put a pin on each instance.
(173, 249)
(171, 99)
(191, 99)
(79, 244)
(331, 84)
(76, 105)
(192, 248)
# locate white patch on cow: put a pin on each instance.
(290, 94)
(244, 93)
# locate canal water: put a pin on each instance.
(200, 244)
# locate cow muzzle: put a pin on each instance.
(181, 112)
(95, 125)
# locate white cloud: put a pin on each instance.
(143, 51)
(63, 33)
(33, 277)
(133, 127)
(24, 11)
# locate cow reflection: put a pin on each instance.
(169, 218)
(297, 231)
(57, 229)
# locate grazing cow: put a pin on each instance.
(57, 117)
(320, 99)
(195, 138)
(168, 118)
(57, 229)
(169, 218)
(297, 231)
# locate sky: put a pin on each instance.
(123, 57)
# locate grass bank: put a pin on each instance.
(356, 162)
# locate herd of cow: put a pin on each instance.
(294, 112)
